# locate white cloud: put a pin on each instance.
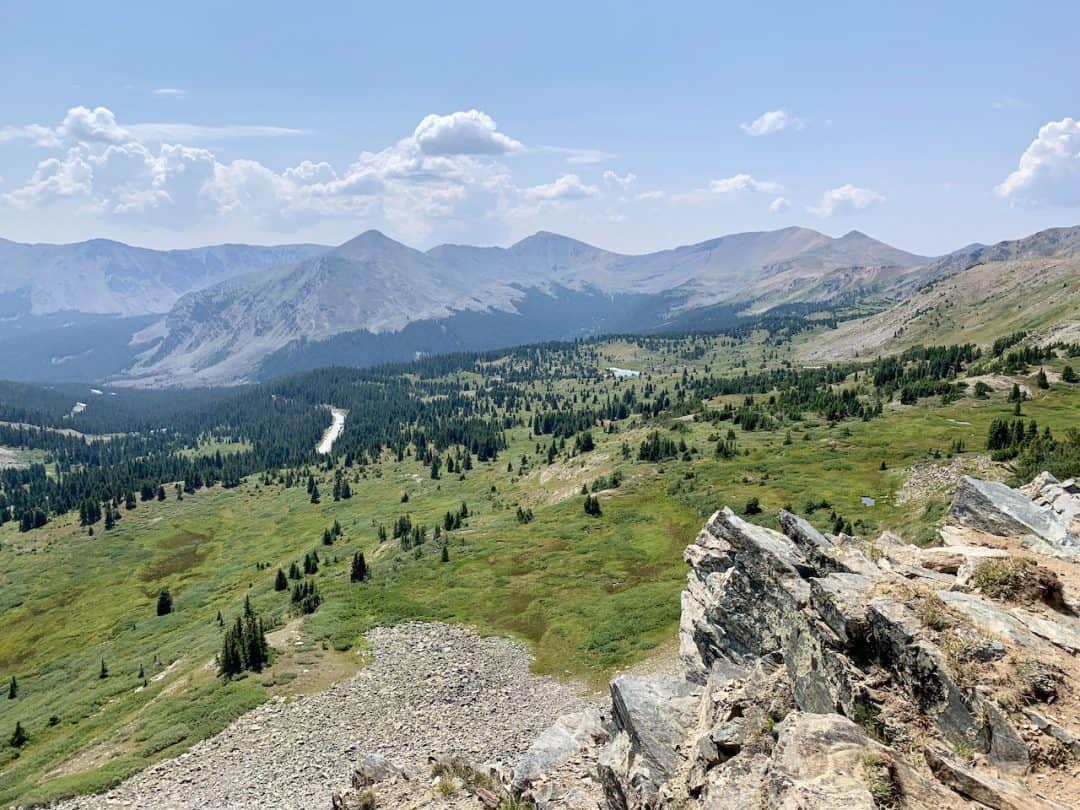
(580, 157)
(622, 182)
(446, 175)
(744, 182)
(1049, 169)
(1009, 103)
(42, 136)
(92, 126)
(470, 132)
(170, 92)
(769, 122)
(779, 206)
(846, 199)
(196, 132)
(567, 187)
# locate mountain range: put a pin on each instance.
(233, 313)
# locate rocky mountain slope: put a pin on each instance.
(393, 301)
(977, 295)
(105, 277)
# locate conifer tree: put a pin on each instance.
(281, 583)
(314, 492)
(359, 570)
(104, 672)
(18, 737)
(13, 689)
(164, 603)
(445, 556)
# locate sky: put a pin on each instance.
(631, 126)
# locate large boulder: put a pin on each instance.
(567, 736)
(653, 718)
(993, 507)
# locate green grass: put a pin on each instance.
(589, 595)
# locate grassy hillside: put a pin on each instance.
(590, 594)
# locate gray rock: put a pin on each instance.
(565, 737)
(984, 787)
(657, 715)
(993, 507)
(991, 618)
(373, 768)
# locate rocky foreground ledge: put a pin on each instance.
(826, 671)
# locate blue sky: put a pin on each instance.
(629, 126)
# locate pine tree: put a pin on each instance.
(359, 570)
(1041, 380)
(327, 538)
(314, 492)
(142, 672)
(164, 603)
(231, 662)
(104, 672)
(445, 556)
(1068, 375)
(13, 689)
(18, 738)
(281, 582)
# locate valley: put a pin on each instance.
(488, 459)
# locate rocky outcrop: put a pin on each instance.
(821, 666)
(995, 508)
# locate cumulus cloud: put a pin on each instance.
(779, 206)
(470, 132)
(769, 122)
(92, 126)
(623, 182)
(1049, 169)
(42, 136)
(448, 171)
(567, 187)
(744, 182)
(846, 199)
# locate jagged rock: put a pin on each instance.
(821, 552)
(1052, 729)
(983, 787)
(921, 668)
(990, 618)
(566, 737)
(1063, 631)
(995, 508)
(739, 783)
(373, 769)
(653, 718)
(840, 599)
(826, 762)
(950, 559)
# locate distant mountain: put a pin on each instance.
(976, 296)
(104, 277)
(374, 299)
(1053, 242)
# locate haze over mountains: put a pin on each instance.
(234, 313)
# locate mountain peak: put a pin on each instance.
(370, 243)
